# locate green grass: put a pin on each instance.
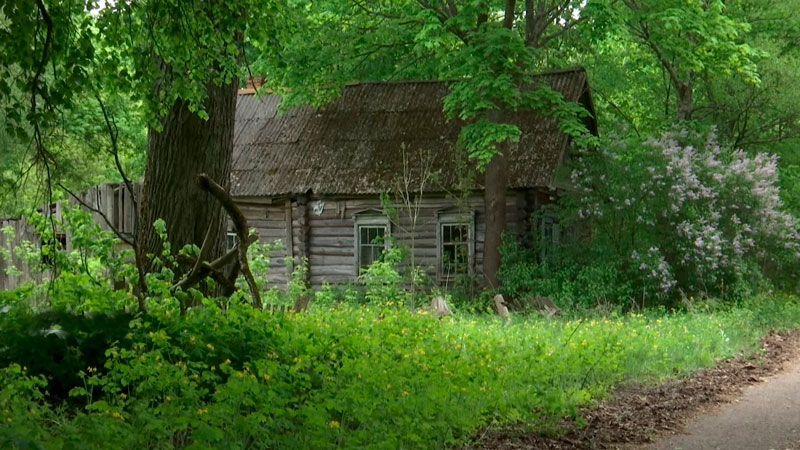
(376, 377)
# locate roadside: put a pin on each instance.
(634, 415)
(766, 416)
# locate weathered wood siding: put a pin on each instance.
(325, 235)
(270, 220)
(331, 236)
(112, 203)
(13, 270)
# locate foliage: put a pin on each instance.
(381, 279)
(669, 217)
(58, 345)
(359, 376)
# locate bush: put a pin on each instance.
(59, 345)
(362, 376)
(669, 217)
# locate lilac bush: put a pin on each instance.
(680, 215)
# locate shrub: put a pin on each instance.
(362, 376)
(677, 215)
(58, 345)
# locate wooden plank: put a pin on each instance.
(289, 231)
(332, 251)
(334, 270)
(317, 281)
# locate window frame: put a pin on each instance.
(231, 237)
(450, 218)
(369, 219)
(547, 251)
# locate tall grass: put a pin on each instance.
(377, 377)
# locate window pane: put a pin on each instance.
(454, 249)
(366, 256)
(446, 233)
(370, 245)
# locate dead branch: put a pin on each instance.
(242, 230)
(203, 268)
(113, 135)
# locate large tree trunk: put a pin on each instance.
(185, 147)
(494, 199)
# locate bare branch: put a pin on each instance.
(240, 223)
(113, 134)
(204, 268)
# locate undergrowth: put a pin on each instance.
(351, 376)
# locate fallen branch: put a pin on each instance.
(203, 268)
(242, 230)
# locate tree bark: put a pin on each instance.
(684, 101)
(494, 198)
(185, 147)
(494, 194)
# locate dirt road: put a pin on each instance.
(765, 416)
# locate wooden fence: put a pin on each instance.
(112, 203)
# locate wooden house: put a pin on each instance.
(332, 183)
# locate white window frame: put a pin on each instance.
(444, 218)
(371, 220)
(231, 236)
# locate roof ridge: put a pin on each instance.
(423, 80)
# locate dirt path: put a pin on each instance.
(747, 403)
(766, 416)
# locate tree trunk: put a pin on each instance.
(494, 198)
(683, 92)
(494, 194)
(185, 147)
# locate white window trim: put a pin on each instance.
(371, 220)
(231, 234)
(455, 218)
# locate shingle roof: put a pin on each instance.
(354, 144)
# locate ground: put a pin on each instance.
(765, 416)
(717, 408)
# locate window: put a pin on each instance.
(550, 236)
(455, 236)
(231, 239)
(371, 232)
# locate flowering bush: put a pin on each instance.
(675, 215)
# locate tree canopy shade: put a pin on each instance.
(488, 49)
(179, 60)
(172, 67)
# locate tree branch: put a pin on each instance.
(240, 223)
(101, 214)
(113, 134)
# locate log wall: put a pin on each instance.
(319, 229)
(331, 236)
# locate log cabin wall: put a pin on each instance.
(328, 239)
(269, 218)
